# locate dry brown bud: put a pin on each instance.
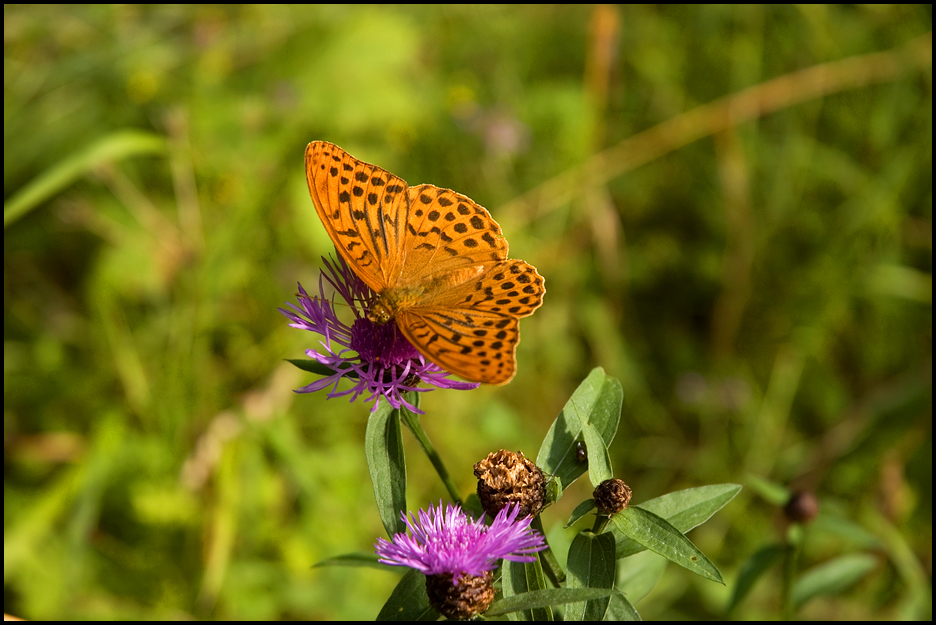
(612, 496)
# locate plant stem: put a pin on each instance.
(411, 420)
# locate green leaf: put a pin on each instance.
(358, 558)
(538, 599)
(472, 506)
(599, 460)
(597, 401)
(620, 609)
(684, 509)
(520, 578)
(752, 570)
(109, 148)
(832, 577)
(580, 510)
(639, 574)
(591, 564)
(409, 601)
(657, 535)
(383, 444)
(314, 366)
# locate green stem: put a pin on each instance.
(601, 522)
(794, 543)
(547, 558)
(411, 420)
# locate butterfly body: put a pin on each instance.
(436, 259)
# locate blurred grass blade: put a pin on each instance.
(901, 281)
(772, 492)
(591, 565)
(657, 535)
(383, 443)
(684, 510)
(539, 599)
(752, 570)
(832, 577)
(112, 147)
(409, 601)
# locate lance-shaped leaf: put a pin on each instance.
(358, 558)
(314, 366)
(580, 510)
(599, 460)
(409, 601)
(520, 578)
(620, 609)
(591, 564)
(544, 598)
(597, 401)
(657, 535)
(684, 509)
(383, 444)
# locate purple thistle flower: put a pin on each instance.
(452, 543)
(376, 357)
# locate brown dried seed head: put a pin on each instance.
(471, 596)
(505, 477)
(612, 496)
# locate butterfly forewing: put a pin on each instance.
(362, 207)
(445, 233)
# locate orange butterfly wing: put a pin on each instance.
(437, 259)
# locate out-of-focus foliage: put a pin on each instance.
(763, 292)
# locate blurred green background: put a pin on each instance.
(763, 293)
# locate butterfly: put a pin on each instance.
(436, 259)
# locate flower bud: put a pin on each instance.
(612, 496)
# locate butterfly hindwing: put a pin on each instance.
(472, 329)
(476, 345)
(511, 287)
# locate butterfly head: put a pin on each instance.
(381, 312)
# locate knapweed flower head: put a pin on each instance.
(451, 543)
(376, 357)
